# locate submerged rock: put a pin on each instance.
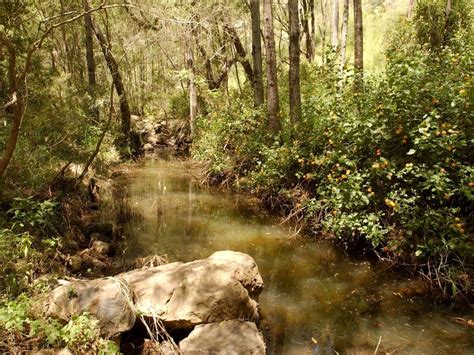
(108, 300)
(228, 337)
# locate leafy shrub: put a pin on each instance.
(28, 238)
(21, 322)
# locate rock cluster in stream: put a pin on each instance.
(149, 135)
(214, 298)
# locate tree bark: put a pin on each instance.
(345, 22)
(335, 24)
(294, 55)
(411, 5)
(118, 82)
(358, 46)
(273, 102)
(193, 105)
(241, 53)
(306, 29)
(16, 105)
(257, 52)
(313, 23)
(91, 72)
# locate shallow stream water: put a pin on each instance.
(316, 299)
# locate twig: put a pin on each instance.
(378, 344)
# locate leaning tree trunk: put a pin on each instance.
(345, 21)
(294, 54)
(335, 24)
(358, 46)
(241, 53)
(16, 106)
(257, 52)
(118, 82)
(273, 102)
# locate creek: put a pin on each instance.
(317, 300)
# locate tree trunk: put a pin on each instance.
(313, 23)
(91, 72)
(18, 112)
(16, 105)
(411, 5)
(358, 46)
(241, 52)
(257, 52)
(294, 55)
(273, 104)
(335, 24)
(193, 105)
(306, 30)
(345, 21)
(118, 82)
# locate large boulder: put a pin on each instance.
(107, 299)
(228, 337)
(221, 287)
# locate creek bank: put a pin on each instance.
(208, 298)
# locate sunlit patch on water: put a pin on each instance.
(316, 300)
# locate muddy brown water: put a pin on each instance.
(316, 299)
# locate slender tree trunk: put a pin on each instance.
(16, 105)
(345, 22)
(306, 30)
(411, 5)
(358, 46)
(118, 82)
(447, 12)
(18, 108)
(273, 102)
(193, 105)
(91, 72)
(335, 24)
(102, 136)
(313, 24)
(323, 28)
(257, 52)
(294, 54)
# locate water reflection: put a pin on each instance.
(316, 300)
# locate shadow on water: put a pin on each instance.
(316, 299)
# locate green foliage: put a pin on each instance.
(393, 165)
(80, 334)
(15, 260)
(230, 137)
(25, 240)
(28, 212)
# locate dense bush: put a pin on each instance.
(392, 165)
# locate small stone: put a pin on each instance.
(75, 262)
(101, 248)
